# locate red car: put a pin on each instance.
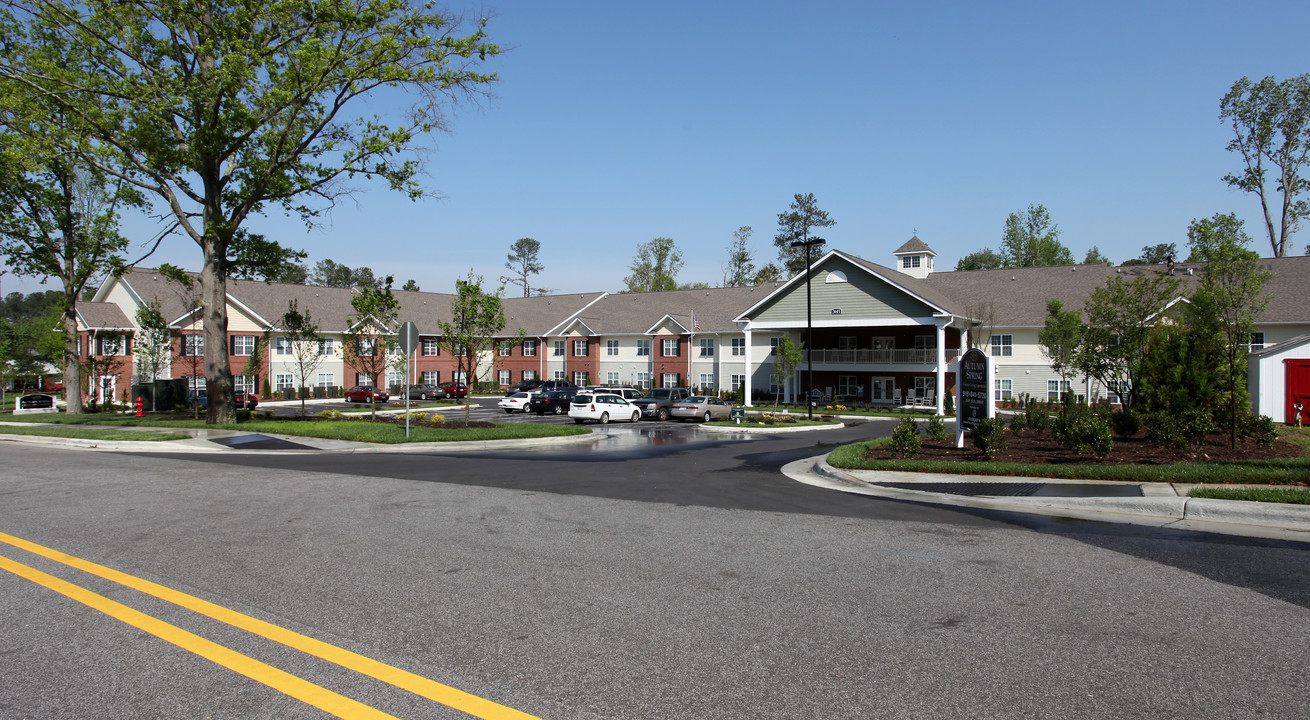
(367, 394)
(455, 390)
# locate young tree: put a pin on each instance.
(153, 350)
(1271, 131)
(224, 110)
(802, 216)
(740, 270)
(1094, 256)
(371, 332)
(476, 319)
(524, 260)
(655, 267)
(306, 344)
(411, 285)
(768, 273)
(58, 220)
(786, 360)
(191, 346)
(1231, 293)
(1120, 315)
(1061, 338)
(1032, 240)
(984, 259)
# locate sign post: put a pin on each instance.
(973, 383)
(408, 343)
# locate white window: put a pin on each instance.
(612, 377)
(193, 346)
(503, 377)
(114, 345)
(773, 346)
(460, 377)
(430, 347)
(1055, 389)
(529, 374)
(738, 381)
(1257, 341)
(243, 345)
(883, 388)
(707, 347)
(195, 382)
(559, 375)
(612, 348)
(580, 377)
(580, 347)
(643, 348)
(244, 383)
(1002, 345)
(911, 261)
(366, 346)
(925, 342)
(925, 387)
(706, 382)
(848, 385)
(847, 342)
(669, 380)
(363, 378)
(284, 381)
(325, 347)
(282, 346)
(739, 347)
(529, 348)
(431, 377)
(326, 380)
(1004, 389)
(505, 347)
(395, 378)
(643, 378)
(669, 348)
(557, 349)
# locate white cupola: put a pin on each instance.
(914, 258)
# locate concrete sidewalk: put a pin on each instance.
(1161, 505)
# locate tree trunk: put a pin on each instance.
(72, 360)
(213, 298)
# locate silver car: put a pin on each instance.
(705, 407)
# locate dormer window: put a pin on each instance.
(911, 261)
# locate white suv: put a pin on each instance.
(628, 394)
(602, 407)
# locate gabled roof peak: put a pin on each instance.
(914, 245)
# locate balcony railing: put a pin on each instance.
(882, 357)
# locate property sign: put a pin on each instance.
(408, 337)
(38, 403)
(975, 385)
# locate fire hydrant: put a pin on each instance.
(140, 407)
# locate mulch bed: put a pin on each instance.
(1027, 447)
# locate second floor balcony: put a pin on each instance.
(890, 356)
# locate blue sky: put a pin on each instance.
(617, 122)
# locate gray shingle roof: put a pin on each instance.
(913, 245)
(102, 316)
(636, 313)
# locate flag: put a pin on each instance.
(695, 324)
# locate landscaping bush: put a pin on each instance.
(1018, 423)
(990, 436)
(1260, 428)
(936, 428)
(950, 403)
(905, 438)
(243, 415)
(1084, 431)
(1163, 430)
(1126, 423)
(331, 415)
(1195, 424)
(1038, 419)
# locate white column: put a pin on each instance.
(941, 367)
(746, 384)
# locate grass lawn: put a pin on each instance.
(1296, 496)
(90, 433)
(848, 410)
(1282, 471)
(356, 431)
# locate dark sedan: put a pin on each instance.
(555, 402)
(367, 394)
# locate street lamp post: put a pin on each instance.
(809, 324)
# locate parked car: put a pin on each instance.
(518, 402)
(705, 407)
(199, 398)
(367, 394)
(602, 408)
(549, 385)
(658, 402)
(555, 402)
(523, 386)
(246, 400)
(455, 390)
(426, 391)
(626, 393)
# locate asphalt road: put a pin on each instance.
(664, 579)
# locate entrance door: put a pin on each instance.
(1298, 388)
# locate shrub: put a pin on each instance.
(1195, 424)
(1126, 423)
(1163, 430)
(905, 438)
(950, 403)
(1037, 419)
(1084, 431)
(436, 418)
(936, 428)
(1018, 423)
(331, 415)
(243, 415)
(265, 414)
(418, 417)
(990, 436)
(1260, 428)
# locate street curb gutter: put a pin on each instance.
(1229, 517)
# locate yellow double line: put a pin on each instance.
(298, 688)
